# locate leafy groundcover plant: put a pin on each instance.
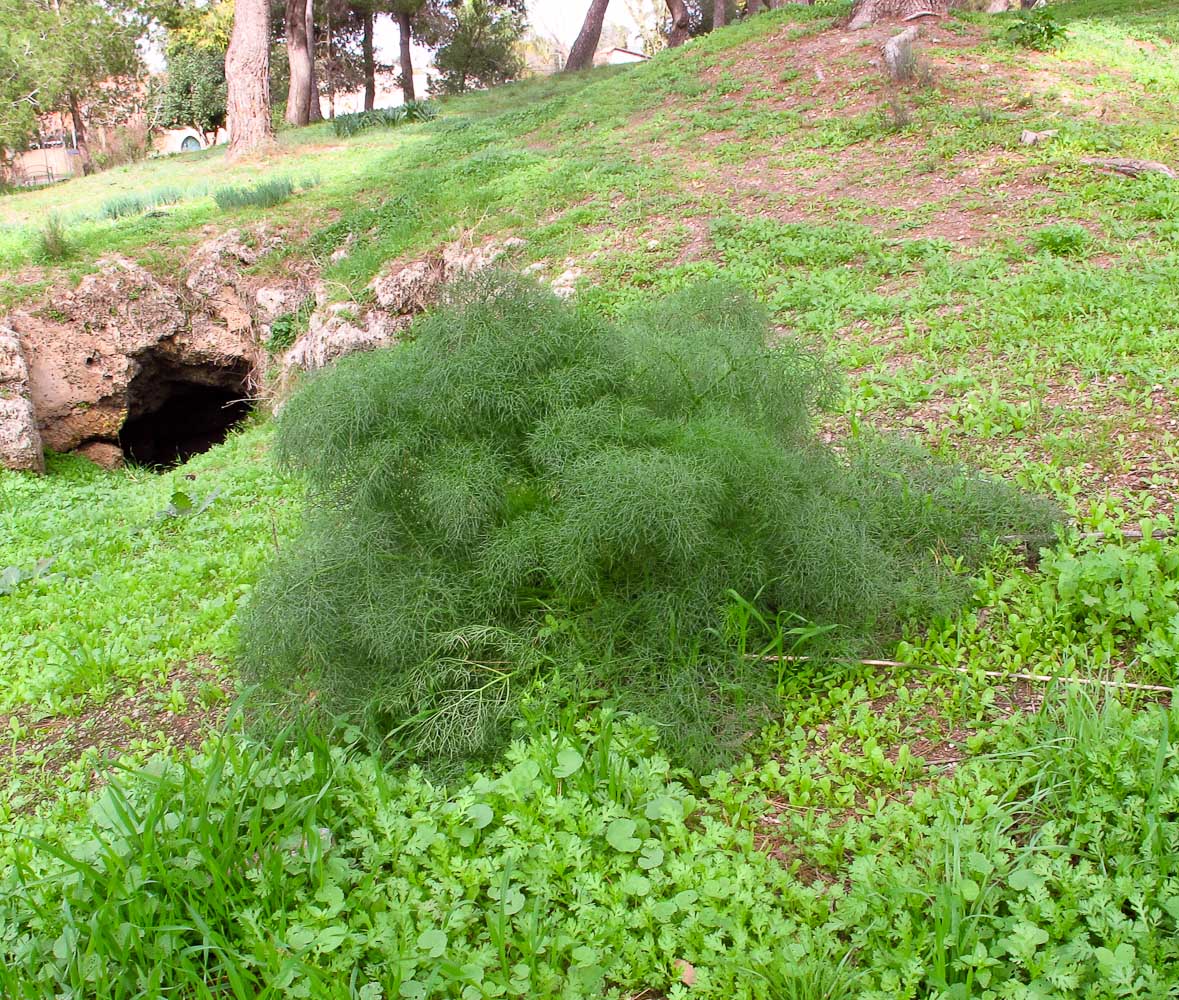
(526, 491)
(580, 867)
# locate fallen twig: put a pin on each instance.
(1004, 675)
(1131, 168)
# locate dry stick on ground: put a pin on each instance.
(1133, 533)
(1131, 168)
(1041, 678)
(898, 53)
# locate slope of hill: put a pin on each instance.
(941, 826)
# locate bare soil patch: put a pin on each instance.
(190, 702)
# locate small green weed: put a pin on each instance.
(1065, 239)
(1037, 28)
(12, 577)
(1122, 599)
(895, 114)
(53, 242)
(285, 329)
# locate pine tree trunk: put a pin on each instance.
(370, 66)
(403, 29)
(581, 56)
(300, 59)
(680, 23)
(80, 143)
(247, 73)
(867, 12)
(314, 112)
(331, 65)
(719, 13)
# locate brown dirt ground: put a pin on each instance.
(50, 745)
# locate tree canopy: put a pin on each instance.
(195, 92)
(55, 53)
(477, 44)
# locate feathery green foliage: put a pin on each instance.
(135, 204)
(403, 114)
(265, 194)
(526, 486)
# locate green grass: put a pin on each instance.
(581, 867)
(132, 592)
(928, 831)
(264, 194)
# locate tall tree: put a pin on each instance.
(405, 11)
(315, 112)
(719, 13)
(370, 62)
(300, 58)
(56, 53)
(194, 95)
(478, 44)
(681, 23)
(247, 74)
(581, 56)
(23, 91)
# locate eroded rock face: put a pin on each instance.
(218, 261)
(20, 441)
(406, 288)
(128, 365)
(114, 349)
(337, 330)
(81, 352)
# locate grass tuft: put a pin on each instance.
(403, 114)
(265, 194)
(53, 242)
(136, 204)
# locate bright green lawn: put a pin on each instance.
(926, 832)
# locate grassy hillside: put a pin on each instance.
(936, 828)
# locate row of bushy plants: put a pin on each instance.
(403, 114)
(527, 492)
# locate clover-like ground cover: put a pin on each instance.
(925, 831)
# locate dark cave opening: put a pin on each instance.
(177, 410)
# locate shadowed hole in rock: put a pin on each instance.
(177, 409)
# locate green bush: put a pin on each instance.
(1037, 28)
(525, 488)
(265, 194)
(53, 243)
(1064, 239)
(403, 114)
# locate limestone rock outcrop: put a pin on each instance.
(20, 441)
(134, 365)
(116, 348)
(339, 329)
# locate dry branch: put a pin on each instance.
(1131, 168)
(898, 53)
(1001, 674)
